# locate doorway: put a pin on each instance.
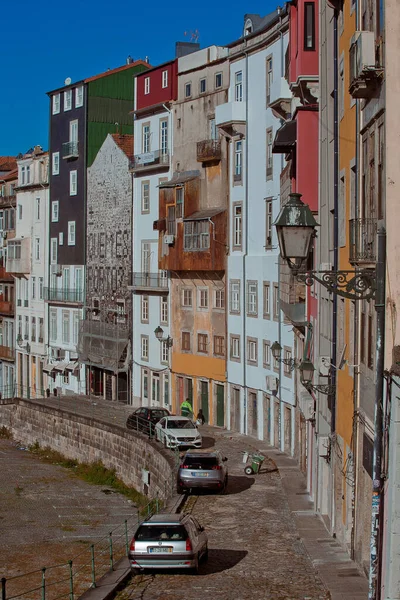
(204, 400)
(220, 405)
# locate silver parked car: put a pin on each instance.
(168, 541)
(206, 470)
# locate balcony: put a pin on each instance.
(149, 282)
(364, 75)
(231, 118)
(7, 353)
(6, 308)
(70, 150)
(209, 151)
(4, 276)
(363, 241)
(8, 200)
(19, 257)
(150, 161)
(63, 295)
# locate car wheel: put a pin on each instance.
(196, 565)
(248, 471)
(223, 489)
(205, 555)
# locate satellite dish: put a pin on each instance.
(68, 81)
(342, 361)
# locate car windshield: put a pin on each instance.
(200, 462)
(158, 533)
(180, 424)
(160, 413)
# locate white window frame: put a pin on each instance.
(67, 100)
(71, 233)
(146, 86)
(237, 226)
(219, 299)
(164, 310)
(252, 350)
(239, 86)
(234, 296)
(55, 163)
(37, 208)
(163, 137)
(202, 298)
(188, 89)
(164, 77)
(145, 197)
(56, 104)
(238, 160)
(79, 96)
(216, 85)
(53, 251)
(146, 138)
(234, 350)
(164, 352)
(37, 248)
(144, 309)
(33, 287)
(75, 327)
(187, 293)
(73, 183)
(55, 211)
(53, 324)
(144, 347)
(252, 298)
(61, 238)
(66, 322)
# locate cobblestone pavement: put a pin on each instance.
(254, 549)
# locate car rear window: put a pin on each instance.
(200, 462)
(159, 413)
(158, 533)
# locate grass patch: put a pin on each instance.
(96, 474)
(5, 433)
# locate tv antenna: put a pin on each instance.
(194, 35)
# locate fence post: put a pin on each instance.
(93, 566)
(44, 583)
(111, 552)
(3, 588)
(126, 537)
(71, 581)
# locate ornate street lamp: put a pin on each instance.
(295, 227)
(307, 369)
(276, 350)
(159, 333)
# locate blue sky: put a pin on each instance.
(44, 42)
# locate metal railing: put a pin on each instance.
(363, 240)
(7, 353)
(208, 150)
(70, 150)
(148, 160)
(6, 307)
(149, 280)
(63, 295)
(7, 200)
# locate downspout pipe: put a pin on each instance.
(245, 246)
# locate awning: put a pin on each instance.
(48, 368)
(60, 366)
(179, 178)
(285, 138)
(207, 213)
(72, 366)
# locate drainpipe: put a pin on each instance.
(377, 482)
(246, 246)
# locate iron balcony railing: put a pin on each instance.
(363, 240)
(6, 307)
(208, 150)
(7, 353)
(70, 150)
(149, 281)
(63, 295)
(8, 200)
(150, 160)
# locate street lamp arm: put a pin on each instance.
(354, 285)
(327, 389)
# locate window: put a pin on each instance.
(19, 326)
(234, 296)
(26, 333)
(145, 197)
(28, 174)
(196, 235)
(55, 157)
(53, 251)
(22, 175)
(144, 312)
(37, 209)
(67, 100)
(239, 86)
(33, 329)
(41, 330)
(213, 129)
(164, 352)
(238, 161)
(219, 345)
(146, 138)
(266, 353)
(65, 327)
(144, 341)
(218, 80)
(73, 131)
(147, 85)
(219, 299)
(14, 249)
(252, 350)
(79, 96)
(75, 332)
(33, 288)
(287, 355)
(202, 298)
(276, 302)
(268, 223)
(179, 197)
(61, 238)
(268, 79)
(309, 26)
(56, 104)
(237, 226)
(37, 248)
(71, 233)
(145, 383)
(164, 310)
(188, 90)
(19, 212)
(53, 324)
(252, 301)
(269, 154)
(185, 342)
(40, 288)
(54, 211)
(164, 79)
(164, 137)
(202, 343)
(235, 348)
(203, 85)
(266, 300)
(171, 221)
(73, 183)
(187, 298)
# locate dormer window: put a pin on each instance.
(248, 27)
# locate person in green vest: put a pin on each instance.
(186, 408)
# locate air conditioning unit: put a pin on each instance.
(169, 239)
(272, 383)
(324, 446)
(362, 64)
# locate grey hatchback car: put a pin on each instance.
(168, 541)
(204, 470)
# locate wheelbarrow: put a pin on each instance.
(255, 462)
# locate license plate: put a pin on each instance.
(159, 549)
(199, 474)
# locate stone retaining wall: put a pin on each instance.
(88, 440)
